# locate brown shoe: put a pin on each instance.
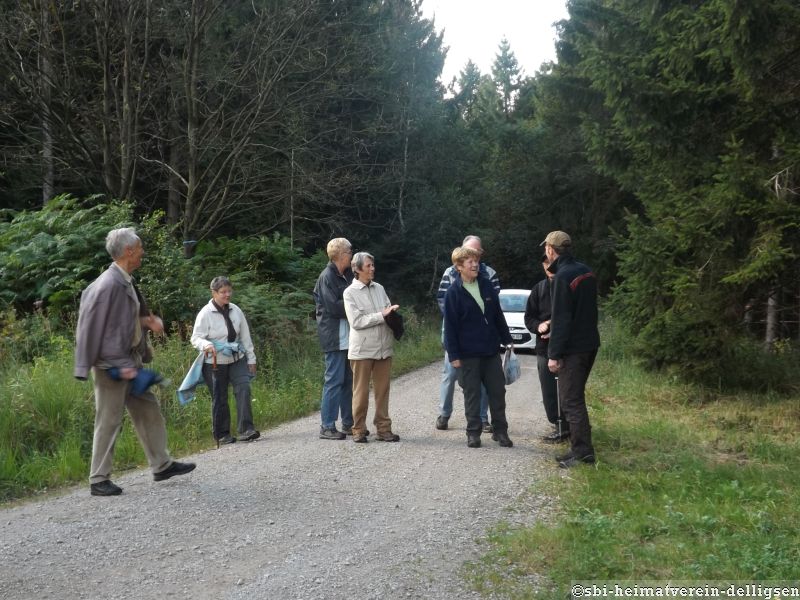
(387, 437)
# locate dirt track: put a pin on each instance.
(293, 516)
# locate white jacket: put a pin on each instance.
(209, 327)
(370, 336)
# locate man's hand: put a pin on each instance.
(153, 323)
(456, 364)
(555, 365)
(128, 373)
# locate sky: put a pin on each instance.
(473, 30)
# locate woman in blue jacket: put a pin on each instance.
(474, 329)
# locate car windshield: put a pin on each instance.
(513, 302)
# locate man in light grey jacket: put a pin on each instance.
(112, 327)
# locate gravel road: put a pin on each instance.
(292, 516)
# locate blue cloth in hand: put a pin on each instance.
(139, 384)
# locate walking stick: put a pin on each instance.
(558, 403)
(214, 401)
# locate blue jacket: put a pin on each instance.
(468, 332)
(450, 274)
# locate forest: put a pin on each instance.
(244, 135)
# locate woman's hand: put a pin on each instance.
(389, 309)
(210, 350)
(252, 369)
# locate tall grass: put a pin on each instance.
(690, 485)
(47, 417)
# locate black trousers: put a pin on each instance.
(238, 375)
(547, 382)
(486, 370)
(572, 386)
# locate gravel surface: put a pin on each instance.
(292, 516)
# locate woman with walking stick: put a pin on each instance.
(221, 332)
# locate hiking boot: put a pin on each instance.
(487, 427)
(249, 435)
(331, 434)
(360, 439)
(556, 438)
(569, 460)
(441, 423)
(226, 439)
(105, 488)
(473, 441)
(176, 468)
(502, 439)
(349, 430)
(387, 437)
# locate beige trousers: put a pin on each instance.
(110, 399)
(379, 371)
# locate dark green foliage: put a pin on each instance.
(49, 255)
(696, 132)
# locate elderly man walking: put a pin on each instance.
(111, 341)
(574, 341)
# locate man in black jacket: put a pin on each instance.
(574, 340)
(537, 320)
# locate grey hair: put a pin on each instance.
(219, 282)
(469, 238)
(357, 264)
(118, 240)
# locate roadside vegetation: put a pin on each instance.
(47, 416)
(691, 484)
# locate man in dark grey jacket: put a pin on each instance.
(334, 331)
(111, 338)
(537, 320)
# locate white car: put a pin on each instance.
(512, 303)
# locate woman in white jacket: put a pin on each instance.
(221, 332)
(370, 348)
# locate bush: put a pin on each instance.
(48, 256)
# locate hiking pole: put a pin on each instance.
(214, 398)
(558, 404)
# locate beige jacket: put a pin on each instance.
(370, 336)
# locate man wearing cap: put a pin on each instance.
(537, 319)
(574, 340)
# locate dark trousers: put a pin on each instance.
(547, 382)
(572, 386)
(486, 370)
(238, 375)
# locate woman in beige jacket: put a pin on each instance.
(370, 348)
